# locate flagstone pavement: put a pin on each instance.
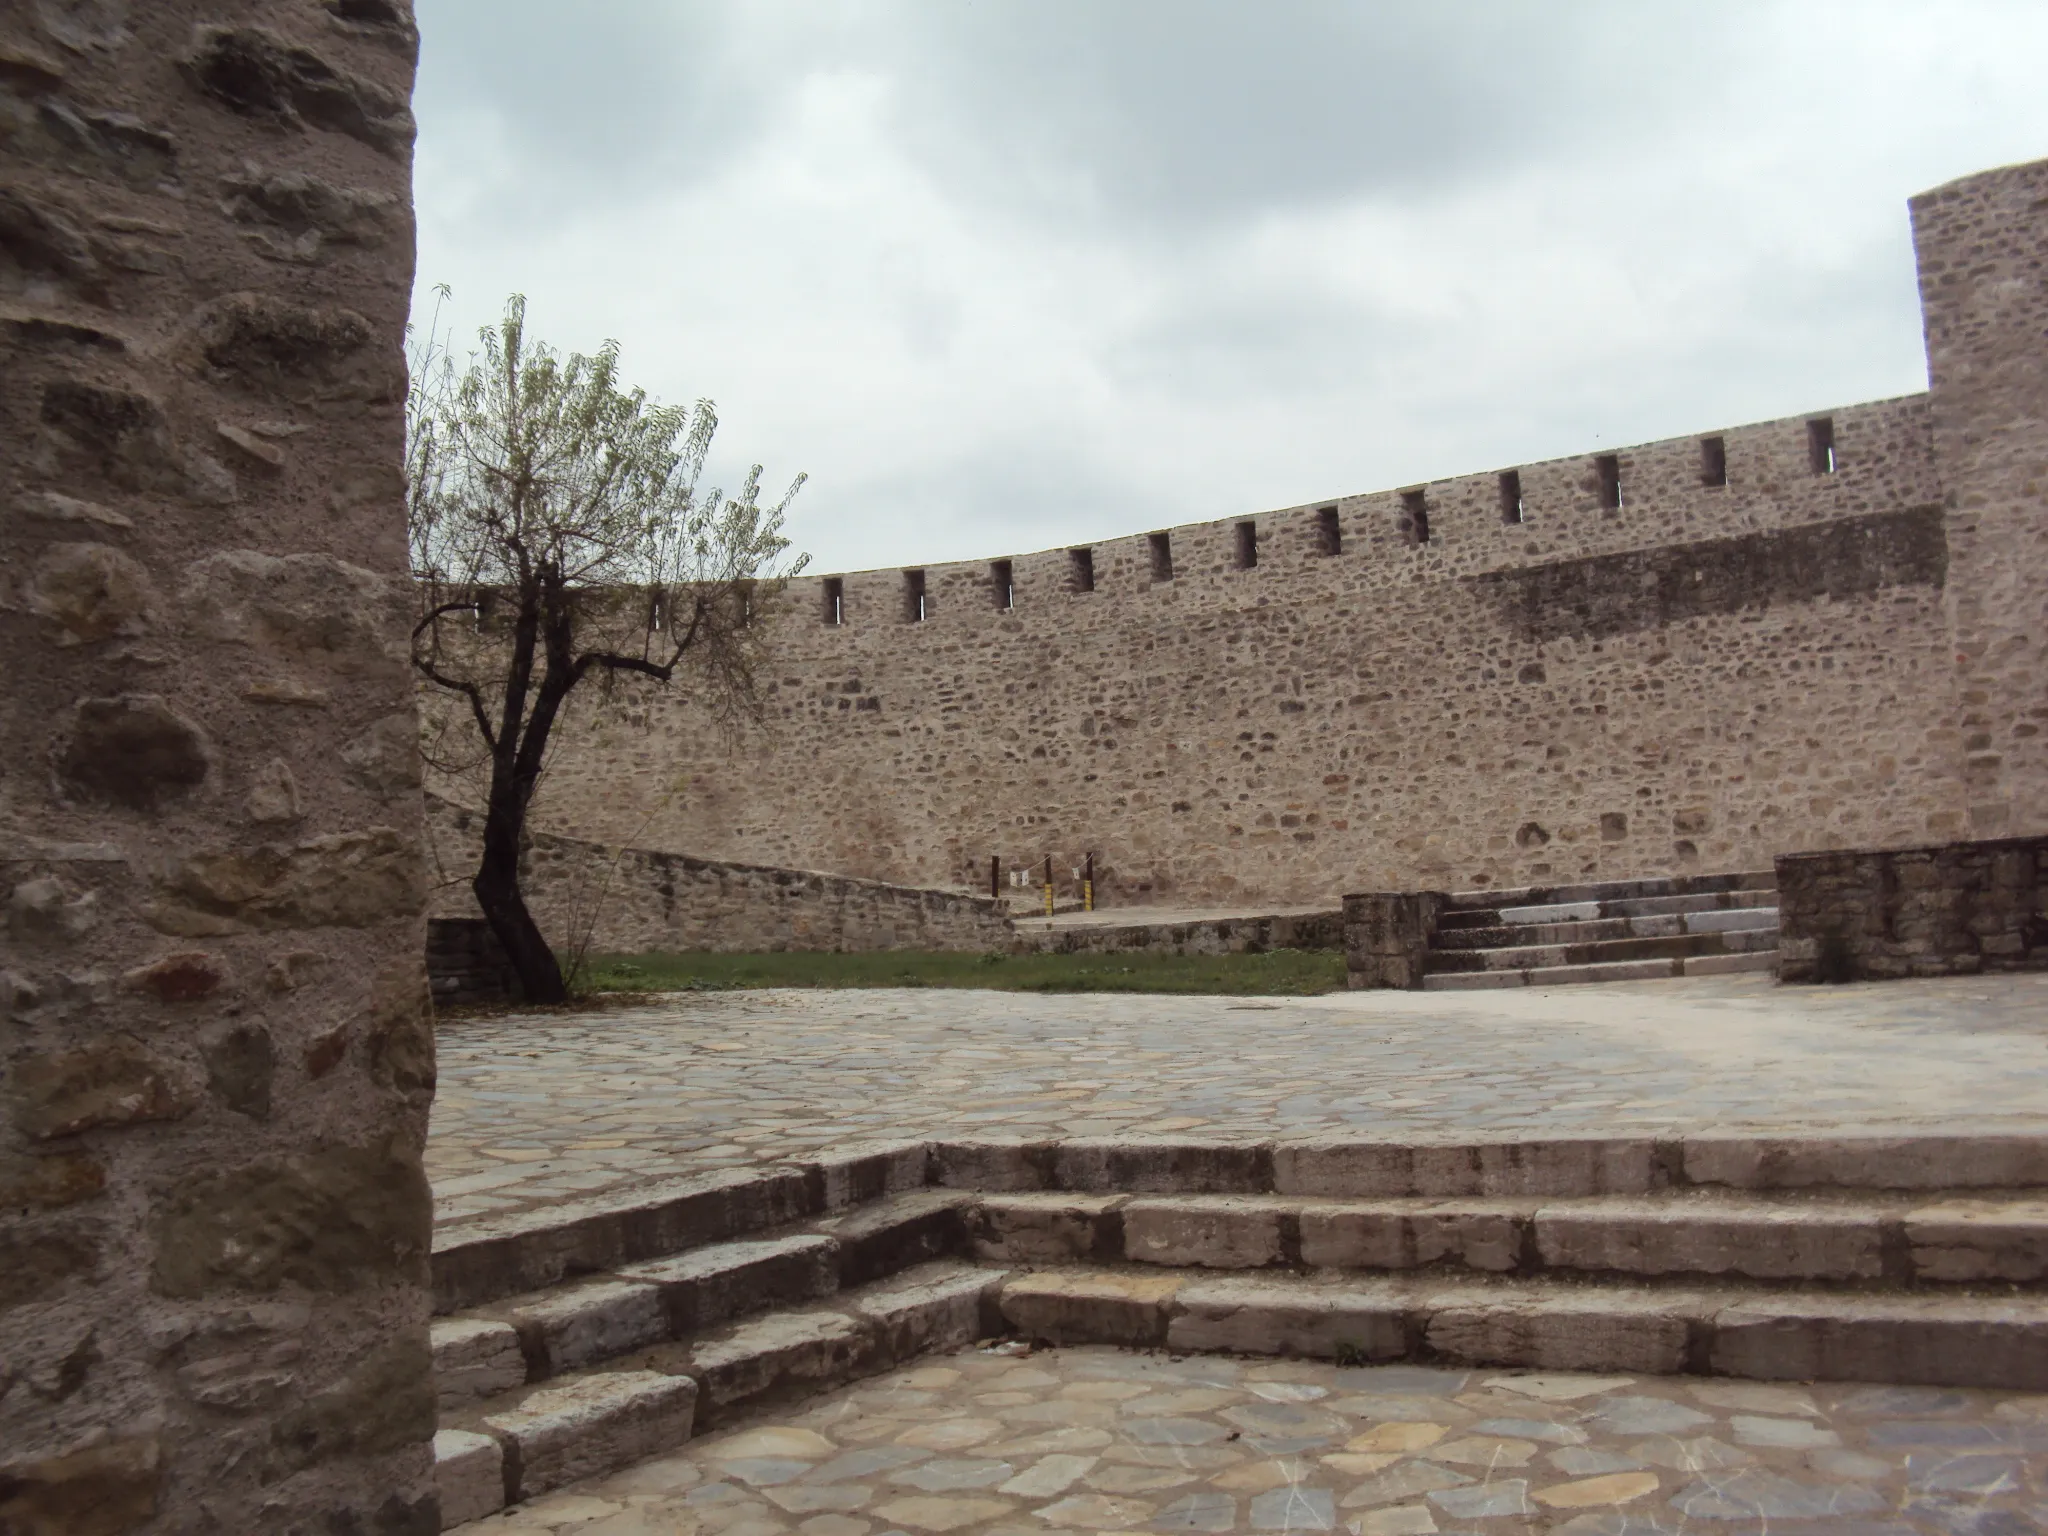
(992, 1443)
(535, 1108)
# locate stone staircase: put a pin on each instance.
(573, 1341)
(1627, 930)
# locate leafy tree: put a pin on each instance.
(559, 535)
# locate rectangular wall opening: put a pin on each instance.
(1083, 561)
(1820, 445)
(1329, 533)
(1002, 579)
(1162, 556)
(1511, 496)
(1415, 516)
(1247, 545)
(835, 600)
(1713, 461)
(1608, 467)
(915, 609)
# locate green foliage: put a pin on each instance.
(1277, 973)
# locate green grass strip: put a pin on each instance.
(1276, 973)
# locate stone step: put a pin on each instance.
(529, 1439)
(1871, 1241)
(1722, 920)
(1615, 890)
(544, 1333)
(1611, 970)
(1804, 1334)
(1591, 911)
(482, 1260)
(1529, 957)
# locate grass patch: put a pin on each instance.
(1277, 973)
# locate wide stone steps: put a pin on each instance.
(1636, 930)
(1532, 956)
(688, 1303)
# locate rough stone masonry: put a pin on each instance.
(213, 1221)
(1693, 655)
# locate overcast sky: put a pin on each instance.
(1005, 276)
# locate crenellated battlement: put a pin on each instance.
(1841, 463)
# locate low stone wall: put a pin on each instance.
(1252, 935)
(1386, 937)
(466, 965)
(635, 900)
(1950, 910)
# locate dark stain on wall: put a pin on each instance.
(1648, 588)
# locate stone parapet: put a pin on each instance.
(605, 900)
(1952, 909)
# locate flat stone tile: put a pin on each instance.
(1965, 1463)
(534, 1109)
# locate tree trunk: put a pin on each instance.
(504, 907)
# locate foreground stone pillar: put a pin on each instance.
(213, 1220)
(1386, 937)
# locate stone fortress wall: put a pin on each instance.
(214, 1222)
(1693, 655)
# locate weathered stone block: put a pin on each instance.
(469, 1474)
(1566, 1330)
(592, 1425)
(846, 1176)
(1805, 1242)
(41, 1266)
(992, 1164)
(331, 1218)
(1935, 1341)
(1413, 1236)
(1867, 1162)
(1129, 1165)
(296, 216)
(346, 880)
(1962, 1241)
(782, 1352)
(1220, 1232)
(937, 1307)
(1266, 1317)
(1386, 937)
(474, 1357)
(105, 1490)
(382, 1403)
(258, 73)
(1559, 1168)
(114, 1082)
(893, 1234)
(1091, 1307)
(1047, 1228)
(706, 1286)
(586, 1322)
(49, 1182)
(92, 592)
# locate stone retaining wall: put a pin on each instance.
(213, 1220)
(1250, 935)
(1955, 909)
(636, 900)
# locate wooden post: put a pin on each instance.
(1048, 885)
(1088, 884)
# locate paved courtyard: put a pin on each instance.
(1104, 1440)
(535, 1108)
